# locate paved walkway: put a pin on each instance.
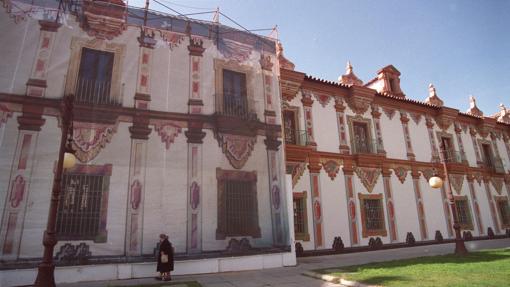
(292, 276)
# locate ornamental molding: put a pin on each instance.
(331, 166)
(90, 138)
(401, 173)
(389, 112)
(360, 99)
(296, 169)
(103, 21)
(236, 148)
(457, 180)
(234, 51)
(428, 173)
(368, 176)
(446, 117)
(168, 131)
(5, 114)
(498, 184)
(323, 99)
(416, 117)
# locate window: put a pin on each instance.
(372, 215)
(94, 77)
(300, 220)
(504, 211)
(82, 207)
(234, 93)
(237, 204)
(463, 212)
(361, 138)
(487, 155)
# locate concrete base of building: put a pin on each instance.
(79, 273)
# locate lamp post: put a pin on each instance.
(66, 159)
(436, 182)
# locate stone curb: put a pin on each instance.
(336, 280)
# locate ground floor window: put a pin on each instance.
(463, 212)
(372, 215)
(503, 210)
(300, 216)
(83, 201)
(237, 204)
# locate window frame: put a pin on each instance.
(222, 176)
(503, 199)
(248, 71)
(365, 232)
(358, 119)
(465, 199)
(302, 198)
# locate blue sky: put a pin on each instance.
(461, 46)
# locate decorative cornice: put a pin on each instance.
(339, 105)
(359, 99)
(331, 166)
(168, 131)
(265, 62)
(50, 26)
(401, 173)
(368, 176)
(196, 46)
(446, 117)
(375, 111)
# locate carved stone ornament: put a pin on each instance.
(390, 113)
(433, 99)
(331, 166)
(446, 117)
(360, 99)
(296, 169)
(90, 138)
(102, 20)
(428, 173)
(173, 39)
(498, 184)
(401, 173)
(265, 62)
(457, 180)
(284, 62)
(349, 78)
(237, 148)
(478, 177)
(473, 109)
(368, 176)
(416, 118)
(323, 99)
(503, 116)
(5, 114)
(168, 131)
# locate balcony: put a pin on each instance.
(296, 137)
(364, 147)
(235, 106)
(452, 156)
(494, 164)
(94, 92)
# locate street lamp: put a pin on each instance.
(437, 182)
(66, 159)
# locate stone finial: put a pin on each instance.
(350, 78)
(473, 109)
(504, 114)
(433, 99)
(284, 62)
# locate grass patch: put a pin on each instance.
(478, 269)
(170, 283)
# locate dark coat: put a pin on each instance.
(166, 247)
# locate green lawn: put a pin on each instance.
(483, 268)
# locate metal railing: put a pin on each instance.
(360, 147)
(494, 164)
(94, 92)
(452, 156)
(296, 137)
(235, 106)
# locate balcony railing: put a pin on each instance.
(235, 106)
(364, 147)
(296, 137)
(452, 156)
(94, 92)
(494, 164)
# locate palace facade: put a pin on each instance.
(177, 130)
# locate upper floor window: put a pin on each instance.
(234, 93)
(94, 77)
(361, 137)
(82, 207)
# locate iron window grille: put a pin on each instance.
(235, 102)
(374, 215)
(463, 213)
(504, 212)
(300, 220)
(240, 206)
(79, 208)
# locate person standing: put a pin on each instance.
(165, 258)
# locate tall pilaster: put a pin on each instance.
(376, 114)
(195, 137)
(433, 146)
(419, 204)
(476, 207)
(390, 206)
(314, 167)
(506, 139)
(458, 131)
(307, 108)
(5, 114)
(138, 154)
(351, 205)
(472, 132)
(36, 85)
(13, 217)
(342, 133)
(404, 119)
(490, 199)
